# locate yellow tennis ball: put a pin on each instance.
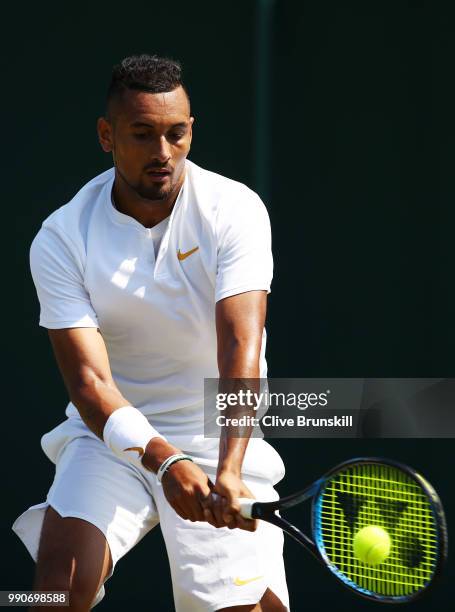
(372, 545)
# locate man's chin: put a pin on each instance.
(154, 194)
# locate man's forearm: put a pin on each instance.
(232, 452)
(96, 402)
(239, 369)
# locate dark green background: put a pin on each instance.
(359, 187)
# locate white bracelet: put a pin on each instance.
(168, 462)
(127, 433)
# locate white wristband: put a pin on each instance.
(168, 462)
(127, 433)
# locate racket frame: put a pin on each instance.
(268, 511)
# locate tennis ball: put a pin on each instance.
(372, 545)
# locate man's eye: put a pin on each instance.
(176, 135)
(141, 136)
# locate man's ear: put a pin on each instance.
(104, 128)
(191, 128)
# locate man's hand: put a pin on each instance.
(223, 509)
(186, 487)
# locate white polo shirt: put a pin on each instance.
(94, 266)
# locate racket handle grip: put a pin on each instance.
(246, 506)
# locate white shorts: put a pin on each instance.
(210, 568)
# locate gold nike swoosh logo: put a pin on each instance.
(182, 256)
(240, 582)
(139, 449)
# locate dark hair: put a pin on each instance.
(145, 73)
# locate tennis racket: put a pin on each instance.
(361, 493)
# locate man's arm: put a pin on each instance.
(83, 361)
(240, 323)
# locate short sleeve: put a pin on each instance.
(245, 260)
(64, 301)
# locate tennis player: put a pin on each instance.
(152, 278)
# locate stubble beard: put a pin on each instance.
(153, 193)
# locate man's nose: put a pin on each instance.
(161, 150)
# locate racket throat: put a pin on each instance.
(295, 533)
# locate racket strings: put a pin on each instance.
(384, 496)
